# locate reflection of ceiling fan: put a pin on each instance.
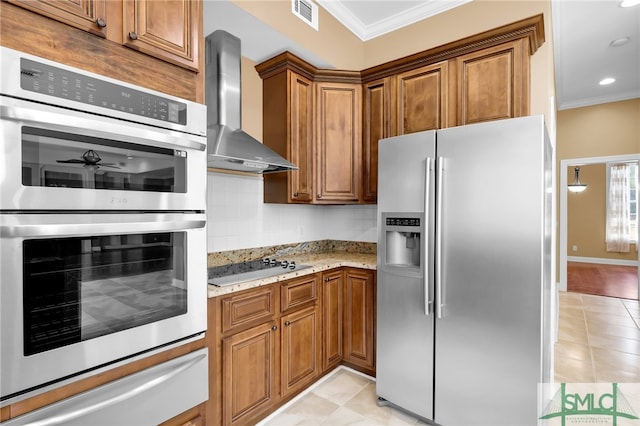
(89, 159)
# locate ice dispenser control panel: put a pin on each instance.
(402, 236)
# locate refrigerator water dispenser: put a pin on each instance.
(402, 239)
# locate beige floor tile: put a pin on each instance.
(631, 303)
(574, 370)
(603, 318)
(619, 344)
(634, 311)
(344, 417)
(312, 409)
(341, 386)
(617, 310)
(591, 300)
(564, 349)
(364, 403)
(606, 359)
(568, 299)
(604, 330)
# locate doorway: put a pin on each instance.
(566, 165)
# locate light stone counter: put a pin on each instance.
(318, 261)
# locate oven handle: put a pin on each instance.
(57, 225)
(130, 132)
(117, 392)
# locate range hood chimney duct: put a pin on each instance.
(228, 146)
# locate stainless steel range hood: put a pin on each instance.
(228, 146)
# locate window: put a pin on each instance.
(622, 206)
(633, 201)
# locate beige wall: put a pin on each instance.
(338, 46)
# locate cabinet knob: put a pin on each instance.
(133, 35)
(295, 194)
(100, 22)
(319, 196)
(287, 323)
(274, 328)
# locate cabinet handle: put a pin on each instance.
(274, 328)
(133, 35)
(287, 323)
(100, 22)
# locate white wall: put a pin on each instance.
(238, 218)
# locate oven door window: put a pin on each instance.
(59, 159)
(77, 289)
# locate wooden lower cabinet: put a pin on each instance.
(332, 318)
(270, 343)
(249, 373)
(359, 319)
(193, 417)
(300, 350)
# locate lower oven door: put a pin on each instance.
(81, 291)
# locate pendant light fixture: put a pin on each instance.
(576, 186)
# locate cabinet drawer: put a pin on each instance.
(298, 291)
(248, 308)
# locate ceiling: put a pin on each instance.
(582, 33)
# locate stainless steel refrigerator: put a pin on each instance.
(464, 243)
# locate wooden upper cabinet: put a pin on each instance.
(288, 130)
(169, 30)
(378, 123)
(423, 99)
(493, 83)
(338, 142)
(88, 15)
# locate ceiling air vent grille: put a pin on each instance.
(307, 11)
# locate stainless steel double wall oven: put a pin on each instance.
(102, 222)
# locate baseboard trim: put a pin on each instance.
(603, 261)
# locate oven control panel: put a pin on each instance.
(61, 83)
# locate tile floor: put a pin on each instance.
(598, 340)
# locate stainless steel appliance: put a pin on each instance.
(463, 296)
(229, 147)
(102, 223)
(225, 275)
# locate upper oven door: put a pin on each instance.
(59, 159)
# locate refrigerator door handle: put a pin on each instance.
(425, 238)
(438, 242)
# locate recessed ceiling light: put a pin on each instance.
(629, 3)
(606, 81)
(619, 41)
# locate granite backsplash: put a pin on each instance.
(321, 246)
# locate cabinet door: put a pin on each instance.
(300, 354)
(338, 142)
(88, 15)
(331, 319)
(493, 83)
(377, 124)
(359, 318)
(169, 30)
(423, 99)
(249, 381)
(301, 134)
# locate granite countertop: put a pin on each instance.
(318, 261)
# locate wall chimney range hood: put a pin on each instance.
(228, 146)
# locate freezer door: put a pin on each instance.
(404, 370)
(405, 320)
(488, 341)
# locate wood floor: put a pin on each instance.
(603, 280)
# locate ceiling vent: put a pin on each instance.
(307, 11)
